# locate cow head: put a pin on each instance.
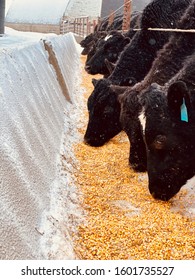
(96, 45)
(87, 43)
(168, 122)
(86, 50)
(110, 48)
(90, 41)
(104, 112)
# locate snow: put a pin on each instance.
(14, 38)
(36, 11)
(49, 11)
(38, 127)
(184, 202)
(78, 8)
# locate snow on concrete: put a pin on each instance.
(184, 201)
(36, 11)
(39, 201)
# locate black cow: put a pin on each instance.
(109, 48)
(116, 24)
(105, 25)
(100, 131)
(90, 41)
(100, 31)
(168, 62)
(133, 64)
(136, 61)
(168, 122)
(134, 24)
(96, 45)
(161, 133)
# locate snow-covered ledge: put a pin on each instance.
(35, 113)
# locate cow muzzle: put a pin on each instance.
(87, 68)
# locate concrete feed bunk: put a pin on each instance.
(38, 100)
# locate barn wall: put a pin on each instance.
(34, 116)
(110, 5)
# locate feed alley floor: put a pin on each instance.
(123, 221)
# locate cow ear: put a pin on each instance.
(110, 66)
(179, 100)
(94, 82)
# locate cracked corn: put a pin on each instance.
(123, 221)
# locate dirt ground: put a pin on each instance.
(123, 221)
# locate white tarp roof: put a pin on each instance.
(36, 11)
(7, 5)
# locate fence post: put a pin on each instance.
(111, 18)
(126, 15)
(88, 27)
(94, 24)
(74, 26)
(83, 26)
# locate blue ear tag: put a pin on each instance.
(184, 112)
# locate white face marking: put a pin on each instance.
(142, 119)
(108, 37)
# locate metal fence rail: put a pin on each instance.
(81, 26)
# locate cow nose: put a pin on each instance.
(154, 195)
(86, 140)
(162, 197)
(87, 68)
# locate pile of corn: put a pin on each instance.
(123, 221)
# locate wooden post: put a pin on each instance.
(111, 18)
(126, 15)
(88, 27)
(74, 29)
(77, 26)
(94, 24)
(98, 20)
(80, 27)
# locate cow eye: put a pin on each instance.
(160, 142)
